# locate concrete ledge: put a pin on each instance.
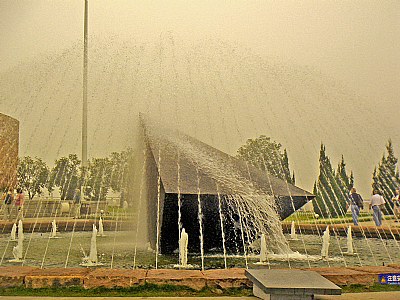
(370, 231)
(115, 278)
(191, 278)
(66, 225)
(56, 277)
(14, 276)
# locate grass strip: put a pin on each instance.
(146, 290)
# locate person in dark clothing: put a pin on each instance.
(356, 203)
(8, 198)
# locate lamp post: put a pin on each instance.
(85, 81)
(84, 162)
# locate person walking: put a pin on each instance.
(377, 201)
(356, 204)
(19, 203)
(8, 197)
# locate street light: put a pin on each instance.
(85, 81)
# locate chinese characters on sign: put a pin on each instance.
(389, 279)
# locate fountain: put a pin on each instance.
(350, 250)
(325, 243)
(293, 235)
(20, 230)
(263, 250)
(92, 259)
(13, 233)
(224, 204)
(233, 190)
(53, 233)
(17, 250)
(101, 228)
(183, 249)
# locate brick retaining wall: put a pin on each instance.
(89, 278)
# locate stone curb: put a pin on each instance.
(56, 277)
(116, 278)
(370, 231)
(31, 277)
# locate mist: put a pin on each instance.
(301, 72)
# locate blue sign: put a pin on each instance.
(389, 278)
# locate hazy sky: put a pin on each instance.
(356, 43)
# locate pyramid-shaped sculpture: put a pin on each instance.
(177, 165)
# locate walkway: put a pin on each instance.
(356, 296)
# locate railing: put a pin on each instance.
(42, 207)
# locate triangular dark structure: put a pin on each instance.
(169, 171)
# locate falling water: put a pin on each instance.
(350, 250)
(179, 206)
(263, 249)
(20, 230)
(101, 228)
(293, 234)
(139, 208)
(256, 209)
(221, 219)
(200, 219)
(158, 207)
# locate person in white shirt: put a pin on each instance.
(376, 201)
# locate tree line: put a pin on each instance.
(100, 176)
(333, 184)
(110, 173)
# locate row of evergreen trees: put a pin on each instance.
(332, 187)
(333, 184)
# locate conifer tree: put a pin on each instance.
(318, 208)
(343, 185)
(331, 189)
(351, 180)
(385, 177)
